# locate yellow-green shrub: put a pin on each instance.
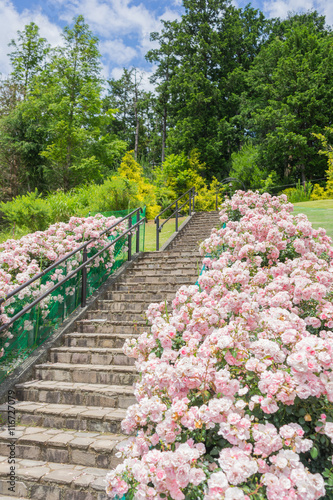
(131, 170)
(318, 193)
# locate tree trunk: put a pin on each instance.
(302, 168)
(136, 146)
(164, 133)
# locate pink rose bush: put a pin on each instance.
(22, 259)
(235, 394)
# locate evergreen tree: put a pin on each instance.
(29, 55)
(289, 98)
(67, 98)
(201, 76)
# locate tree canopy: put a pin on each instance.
(246, 94)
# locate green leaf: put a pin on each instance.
(314, 452)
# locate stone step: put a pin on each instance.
(192, 237)
(169, 257)
(41, 480)
(104, 326)
(117, 316)
(91, 374)
(44, 391)
(149, 295)
(164, 266)
(5, 497)
(90, 449)
(137, 286)
(186, 245)
(160, 273)
(177, 280)
(167, 254)
(92, 340)
(61, 416)
(88, 355)
(134, 305)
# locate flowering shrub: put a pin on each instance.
(22, 259)
(236, 385)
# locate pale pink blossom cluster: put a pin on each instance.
(22, 259)
(235, 354)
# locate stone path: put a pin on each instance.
(68, 418)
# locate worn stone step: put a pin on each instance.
(150, 295)
(163, 266)
(61, 416)
(5, 497)
(137, 286)
(108, 340)
(134, 305)
(165, 256)
(91, 449)
(87, 355)
(160, 273)
(41, 480)
(95, 314)
(82, 394)
(187, 245)
(93, 374)
(165, 279)
(170, 257)
(107, 326)
(192, 237)
(137, 305)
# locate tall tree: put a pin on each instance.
(290, 98)
(29, 55)
(128, 97)
(200, 76)
(20, 138)
(166, 60)
(67, 98)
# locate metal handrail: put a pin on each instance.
(191, 196)
(83, 266)
(63, 259)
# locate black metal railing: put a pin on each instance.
(190, 194)
(85, 262)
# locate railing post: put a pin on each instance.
(176, 215)
(138, 232)
(193, 199)
(190, 203)
(129, 239)
(216, 200)
(84, 279)
(157, 221)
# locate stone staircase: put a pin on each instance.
(68, 418)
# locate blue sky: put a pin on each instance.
(123, 26)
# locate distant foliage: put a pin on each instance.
(178, 173)
(326, 139)
(132, 171)
(29, 211)
(299, 193)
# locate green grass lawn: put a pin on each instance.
(167, 231)
(319, 213)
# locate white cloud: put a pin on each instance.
(11, 21)
(281, 8)
(113, 19)
(117, 52)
